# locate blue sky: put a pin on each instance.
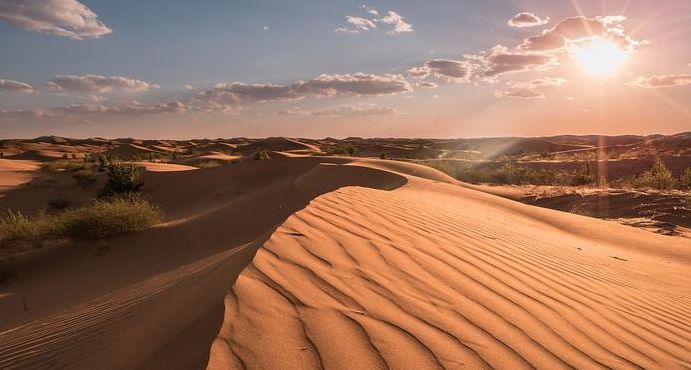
(171, 44)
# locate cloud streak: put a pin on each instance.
(67, 18)
(525, 19)
(520, 94)
(228, 96)
(360, 110)
(97, 84)
(500, 60)
(17, 86)
(661, 81)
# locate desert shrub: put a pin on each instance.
(122, 179)
(261, 154)
(109, 217)
(62, 165)
(208, 164)
(513, 173)
(685, 179)
(84, 176)
(100, 219)
(15, 226)
(657, 177)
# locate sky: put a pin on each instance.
(325, 68)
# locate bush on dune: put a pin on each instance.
(100, 219)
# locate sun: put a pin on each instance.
(598, 57)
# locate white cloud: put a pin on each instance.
(18, 86)
(396, 20)
(68, 18)
(97, 84)
(577, 28)
(359, 110)
(659, 81)
(132, 108)
(499, 60)
(426, 85)
(519, 94)
(371, 19)
(526, 19)
(538, 82)
(228, 96)
(449, 70)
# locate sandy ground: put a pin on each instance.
(302, 262)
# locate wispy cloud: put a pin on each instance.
(67, 18)
(359, 110)
(228, 96)
(449, 70)
(500, 60)
(525, 19)
(578, 28)
(659, 81)
(392, 22)
(17, 86)
(520, 94)
(97, 84)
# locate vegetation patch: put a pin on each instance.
(99, 219)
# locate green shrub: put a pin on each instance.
(109, 217)
(657, 177)
(122, 179)
(100, 219)
(84, 176)
(685, 179)
(62, 165)
(15, 226)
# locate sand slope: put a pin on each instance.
(435, 276)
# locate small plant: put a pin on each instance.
(657, 177)
(122, 179)
(261, 155)
(208, 164)
(98, 220)
(84, 177)
(113, 216)
(685, 179)
(62, 165)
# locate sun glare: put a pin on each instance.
(598, 56)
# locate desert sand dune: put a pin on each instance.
(358, 264)
(435, 276)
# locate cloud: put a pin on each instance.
(426, 85)
(97, 84)
(360, 23)
(360, 110)
(659, 81)
(228, 96)
(18, 86)
(68, 18)
(132, 108)
(525, 19)
(371, 19)
(519, 94)
(396, 20)
(538, 82)
(500, 60)
(449, 70)
(578, 28)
